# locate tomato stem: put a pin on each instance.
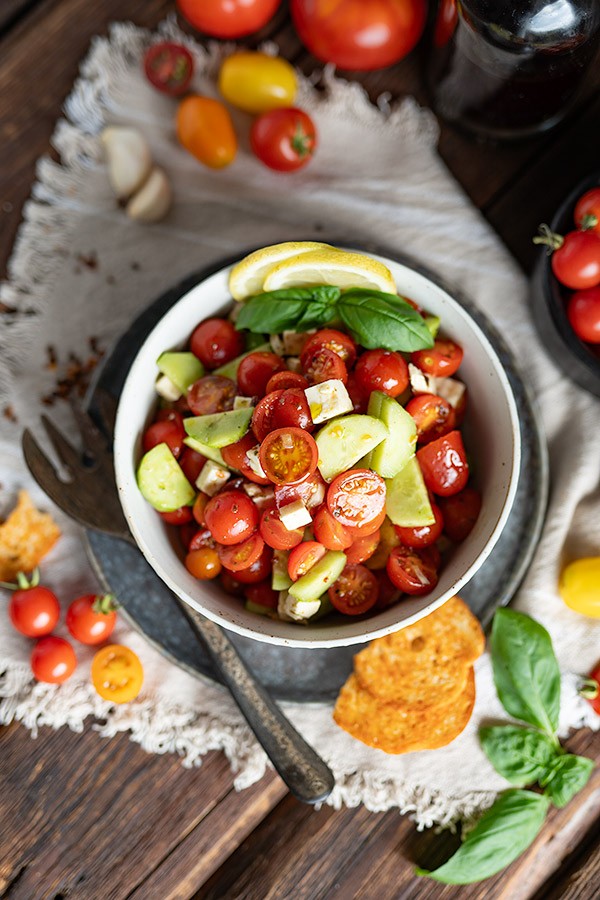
(588, 222)
(589, 688)
(22, 583)
(301, 142)
(105, 604)
(549, 238)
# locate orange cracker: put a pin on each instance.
(26, 537)
(394, 729)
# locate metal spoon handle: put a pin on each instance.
(307, 776)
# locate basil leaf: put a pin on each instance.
(502, 834)
(383, 320)
(568, 775)
(525, 669)
(277, 311)
(521, 755)
(315, 315)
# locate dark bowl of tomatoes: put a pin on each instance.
(492, 439)
(565, 297)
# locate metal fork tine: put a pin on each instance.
(42, 469)
(64, 449)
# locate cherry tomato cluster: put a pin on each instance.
(234, 533)
(281, 136)
(576, 265)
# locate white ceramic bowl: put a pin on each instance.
(492, 437)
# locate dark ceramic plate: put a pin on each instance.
(303, 675)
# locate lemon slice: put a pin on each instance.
(330, 266)
(247, 277)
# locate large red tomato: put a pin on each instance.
(356, 34)
(227, 18)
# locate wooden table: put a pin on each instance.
(82, 817)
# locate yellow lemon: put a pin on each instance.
(247, 277)
(330, 266)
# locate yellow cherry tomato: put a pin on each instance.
(117, 673)
(205, 129)
(257, 83)
(579, 586)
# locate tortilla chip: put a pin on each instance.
(424, 665)
(394, 729)
(25, 538)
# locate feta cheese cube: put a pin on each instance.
(294, 341)
(328, 399)
(295, 515)
(254, 461)
(291, 610)
(243, 402)
(212, 478)
(420, 382)
(450, 389)
(277, 345)
(166, 389)
(294, 364)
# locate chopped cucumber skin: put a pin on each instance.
(280, 579)
(260, 610)
(343, 441)
(162, 482)
(219, 429)
(205, 450)
(320, 577)
(407, 502)
(229, 370)
(183, 369)
(392, 454)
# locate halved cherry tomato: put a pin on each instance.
(91, 619)
(255, 371)
(117, 673)
(412, 571)
(180, 516)
(262, 594)
(256, 82)
(356, 497)
(322, 365)
(587, 211)
(203, 564)
(329, 532)
(283, 380)
(359, 396)
(443, 359)
(230, 584)
(227, 19)
(258, 571)
(169, 415)
(168, 433)
(425, 535)
(433, 416)
(205, 129)
(365, 528)
(202, 538)
(169, 67)
(583, 311)
(211, 394)
(460, 513)
(231, 517)
(274, 532)
(199, 507)
(288, 455)
(243, 555)
(216, 342)
(311, 491)
(389, 594)
(330, 339)
(34, 610)
(362, 548)
(283, 139)
(192, 464)
(382, 370)
(355, 591)
(235, 455)
(303, 557)
(53, 660)
(292, 410)
(444, 464)
(262, 417)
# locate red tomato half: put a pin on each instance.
(444, 464)
(262, 594)
(240, 556)
(303, 557)
(283, 139)
(365, 528)
(288, 455)
(274, 532)
(362, 548)
(355, 591)
(211, 394)
(262, 417)
(576, 263)
(323, 365)
(443, 359)
(258, 571)
(227, 19)
(53, 660)
(358, 395)
(433, 416)
(356, 34)
(311, 491)
(231, 517)
(180, 516)
(169, 67)
(382, 370)
(460, 513)
(166, 432)
(330, 339)
(235, 455)
(216, 342)
(356, 497)
(583, 311)
(587, 211)
(329, 532)
(413, 572)
(192, 464)
(255, 370)
(425, 535)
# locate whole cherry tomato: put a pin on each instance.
(53, 660)
(92, 618)
(424, 535)
(203, 563)
(288, 455)
(284, 380)
(192, 464)
(433, 416)
(443, 359)
(354, 34)
(216, 342)
(256, 82)
(575, 257)
(587, 211)
(231, 517)
(180, 516)
(262, 417)
(583, 310)
(444, 464)
(322, 364)
(33, 609)
(382, 370)
(165, 432)
(284, 139)
(329, 532)
(169, 67)
(262, 594)
(460, 512)
(595, 698)
(227, 19)
(117, 673)
(355, 591)
(292, 410)
(330, 339)
(255, 370)
(205, 129)
(274, 532)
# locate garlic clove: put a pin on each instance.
(129, 159)
(152, 201)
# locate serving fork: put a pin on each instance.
(90, 497)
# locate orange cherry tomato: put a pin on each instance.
(303, 557)
(356, 497)
(355, 591)
(203, 563)
(205, 129)
(329, 532)
(117, 673)
(288, 455)
(53, 660)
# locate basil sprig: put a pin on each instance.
(374, 318)
(527, 680)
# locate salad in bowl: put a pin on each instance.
(307, 461)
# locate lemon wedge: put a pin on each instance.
(247, 277)
(330, 266)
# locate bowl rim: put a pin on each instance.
(366, 634)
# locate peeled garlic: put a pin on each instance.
(129, 159)
(153, 200)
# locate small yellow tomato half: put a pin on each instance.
(117, 673)
(257, 83)
(579, 586)
(205, 129)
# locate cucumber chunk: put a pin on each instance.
(162, 482)
(392, 454)
(259, 610)
(320, 577)
(219, 429)
(230, 369)
(280, 579)
(183, 369)
(407, 500)
(433, 324)
(343, 441)
(205, 450)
